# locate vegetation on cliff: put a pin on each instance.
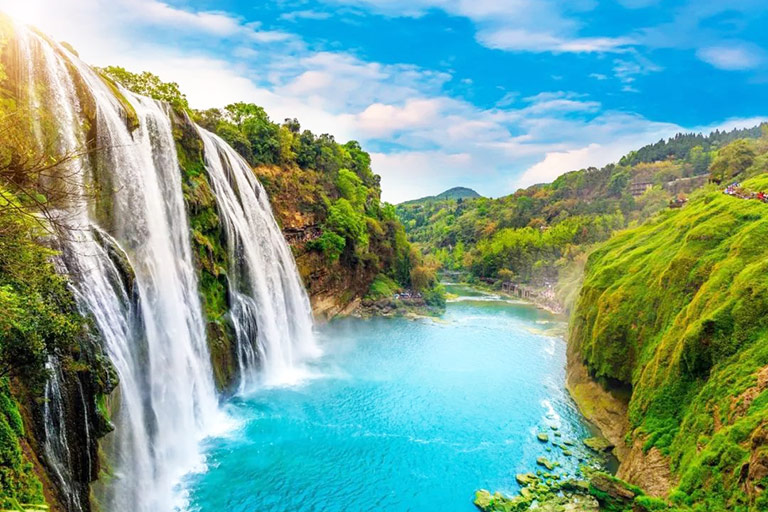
(676, 309)
(324, 194)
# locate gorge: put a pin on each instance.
(207, 310)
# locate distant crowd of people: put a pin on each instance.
(735, 190)
(408, 295)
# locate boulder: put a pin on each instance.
(598, 444)
(526, 479)
(612, 493)
(543, 461)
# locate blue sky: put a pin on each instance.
(488, 94)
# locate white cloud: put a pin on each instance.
(422, 139)
(413, 174)
(380, 120)
(306, 15)
(555, 163)
(540, 42)
(733, 57)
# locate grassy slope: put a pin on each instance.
(678, 309)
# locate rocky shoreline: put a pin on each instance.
(608, 411)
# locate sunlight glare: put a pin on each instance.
(24, 11)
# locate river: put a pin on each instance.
(400, 414)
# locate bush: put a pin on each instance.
(330, 244)
(382, 287)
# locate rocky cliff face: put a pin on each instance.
(300, 199)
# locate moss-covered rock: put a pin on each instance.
(526, 479)
(598, 444)
(545, 462)
(209, 247)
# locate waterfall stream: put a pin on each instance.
(269, 303)
(135, 276)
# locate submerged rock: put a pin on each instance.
(526, 479)
(541, 436)
(543, 461)
(598, 444)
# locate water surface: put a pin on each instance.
(405, 415)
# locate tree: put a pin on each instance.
(351, 188)
(699, 159)
(732, 160)
(346, 221)
(148, 84)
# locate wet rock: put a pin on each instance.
(526, 479)
(598, 444)
(543, 461)
(541, 436)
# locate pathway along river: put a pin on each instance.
(401, 415)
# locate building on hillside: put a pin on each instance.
(637, 188)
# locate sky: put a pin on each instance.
(493, 95)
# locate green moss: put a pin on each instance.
(18, 481)
(678, 310)
(209, 246)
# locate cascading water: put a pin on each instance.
(134, 274)
(271, 312)
(57, 450)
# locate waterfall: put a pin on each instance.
(134, 274)
(270, 311)
(55, 446)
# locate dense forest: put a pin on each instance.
(541, 235)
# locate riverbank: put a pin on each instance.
(608, 411)
(539, 299)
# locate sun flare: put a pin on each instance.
(24, 11)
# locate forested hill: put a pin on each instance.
(323, 193)
(452, 193)
(681, 145)
(541, 235)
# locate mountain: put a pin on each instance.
(458, 193)
(450, 194)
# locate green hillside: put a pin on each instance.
(454, 193)
(678, 310)
(542, 234)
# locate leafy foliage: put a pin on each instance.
(687, 146)
(148, 84)
(316, 181)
